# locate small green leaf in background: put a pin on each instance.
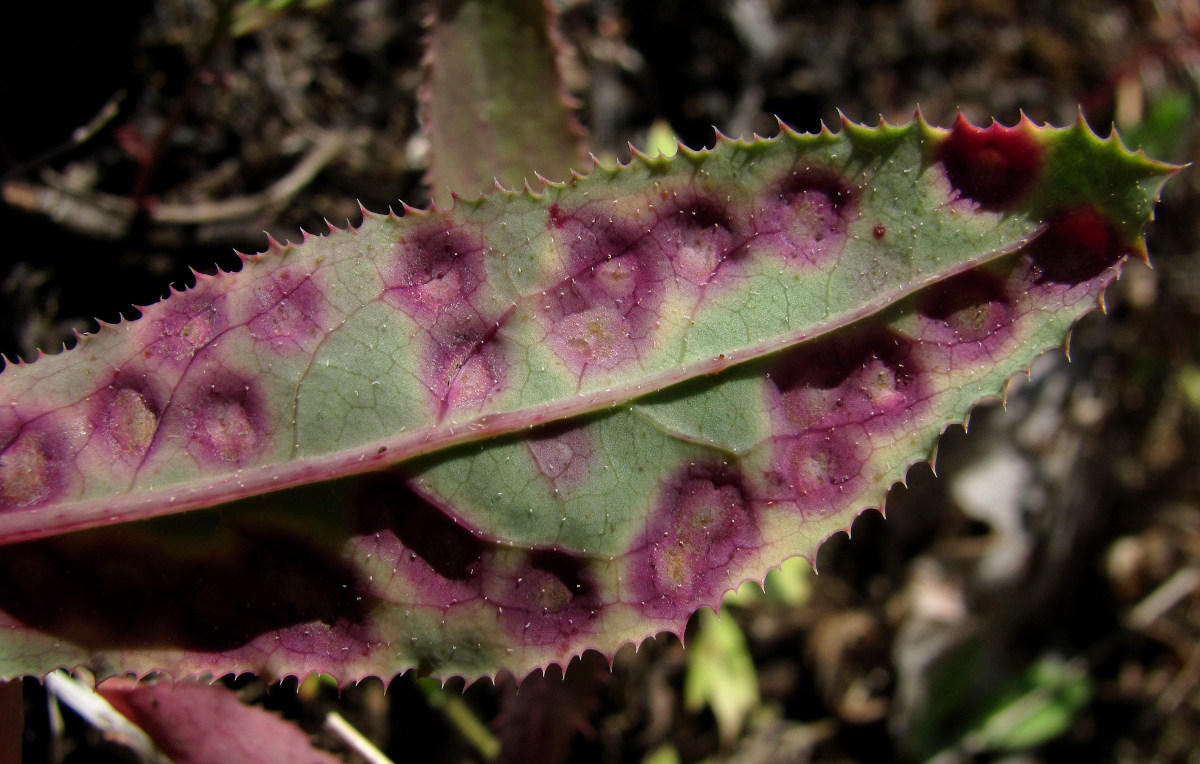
(664, 754)
(1034, 708)
(1163, 130)
(1188, 378)
(460, 716)
(720, 674)
(786, 585)
(661, 140)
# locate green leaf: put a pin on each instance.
(720, 674)
(1034, 708)
(494, 436)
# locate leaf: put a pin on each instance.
(196, 723)
(490, 65)
(720, 674)
(492, 437)
(1030, 709)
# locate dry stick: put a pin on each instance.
(1163, 598)
(98, 712)
(337, 724)
(108, 216)
(79, 136)
(142, 183)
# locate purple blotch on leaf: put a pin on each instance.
(564, 453)
(862, 374)
(807, 214)
(224, 415)
(548, 600)
(619, 269)
(703, 522)
(434, 268)
(127, 412)
(608, 303)
(288, 312)
(35, 459)
(971, 307)
(994, 166)
(184, 325)
(435, 277)
(466, 360)
(699, 235)
(814, 469)
(830, 398)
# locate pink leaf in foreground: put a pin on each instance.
(195, 723)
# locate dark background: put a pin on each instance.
(1065, 530)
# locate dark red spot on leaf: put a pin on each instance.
(1077, 246)
(994, 166)
(879, 231)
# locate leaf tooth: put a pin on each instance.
(408, 210)
(273, 246)
(543, 183)
(637, 155)
(844, 121)
(784, 129)
(365, 214)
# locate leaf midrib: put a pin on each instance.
(40, 522)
